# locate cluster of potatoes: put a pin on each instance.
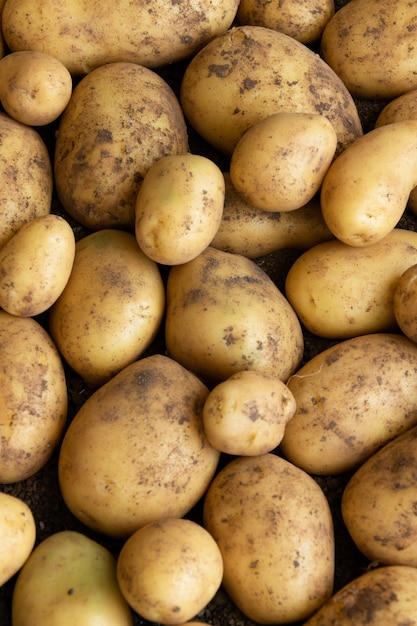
(130, 260)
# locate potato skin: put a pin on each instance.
(351, 399)
(18, 535)
(405, 303)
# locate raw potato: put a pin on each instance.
(351, 399)
(385, 595)
(378, 503)
(121, 118)
(252, 72)
(33, 397)
(26, 172)
(136, 450)
(35, 87)
(280, 162)
(111, 307)
(69, 579)
(370, 44)
(35, 265)
(247, 413)
(304, 20)
(340, 291)
(363, 195)
(179, 208)
(224, 315)
(274, 528)
(169, 570)
(18, 534)
(249, 231)
(405, 302)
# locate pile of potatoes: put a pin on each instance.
(208, 312)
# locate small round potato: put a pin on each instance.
(35, 87)
(169, 570)
(405, 303)
(179, 208)
(246, 414)
(18, 534)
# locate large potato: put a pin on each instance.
(274, 528)
(121, 118)
(136, 451)
(351, 399)
(84, 35)
(224, 315)
(252, 72)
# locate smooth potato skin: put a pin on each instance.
(18, 535)
(405, 303)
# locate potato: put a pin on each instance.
(370, 44)
(363, 196)
(385, 595)
(69, 578)
(111, 307)
(83, 36)
(169, 570)
(33, 397)
(304, 21)
(340, 291)
(378, 503)
(274, 528)
(26, 172)
(18, 534)
(246, 414)
(251, 72)
(35, 87)
(405, 302)
(35, 265)
(279, 163)
(224, 315)
(121, 118)
(351, 399)
(179, 208)
(136, 450)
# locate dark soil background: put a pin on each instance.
(41, 492)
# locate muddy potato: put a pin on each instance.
(136, 450)
(224, 315)
(69, 578)
(111, 307)
(405, 302)
(340, 291)
(246, 414)
(252, 72)
(179, 208)
(35, 265)
(351, 399)
(274, 528)
(18, 534)
(33, 397)
(121, 118)
(169, 570)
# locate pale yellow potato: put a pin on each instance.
(136, 450)
(33, 397)
(378, 503)
(340, 291)
(111, 307)
(18, 535)
(351, 399)
(26, 172)
(370, 44)
(179, 208)
(405, 302)
(301, 19)
(224, 315)
(122, 117)
(69, 579)
(246, 414)
(35, 87)
(383, 595)
(169, 570)
(274, 528)
(251, 72)
(35, 265)
(280, 162)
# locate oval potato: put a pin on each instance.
(405, 303)
(18, 535)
